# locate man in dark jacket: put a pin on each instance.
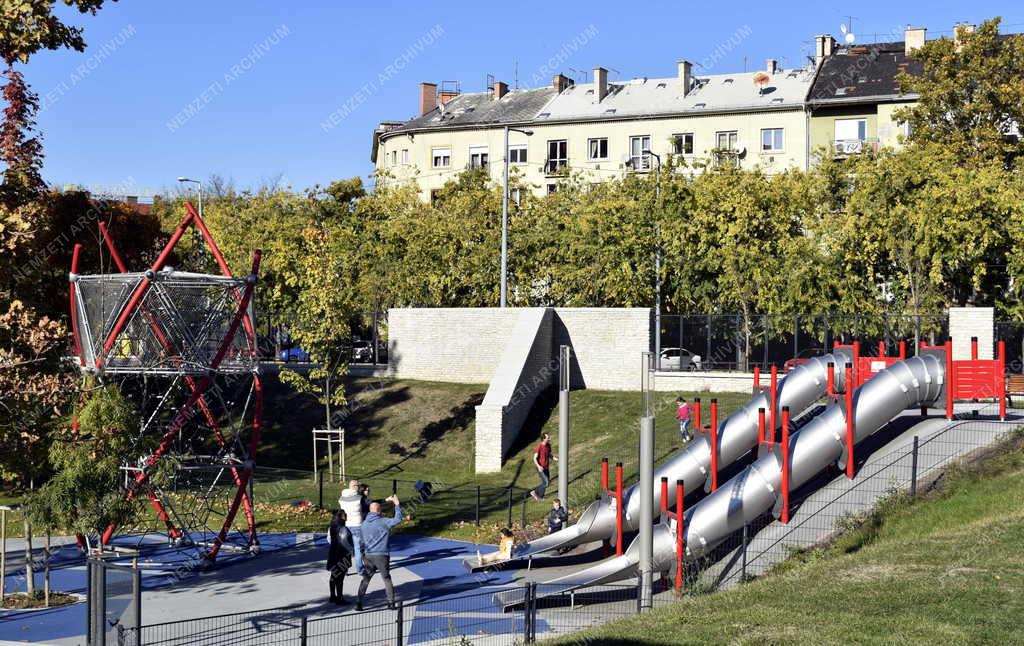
(376, 552)
(556, 517)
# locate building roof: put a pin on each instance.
(857, 73)
(649, 97)
(481, 109)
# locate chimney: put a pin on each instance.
(444, 96)
(428, 97)
(960, 30)
(685, 69)
(600, 84)
(823, 46)
(771, 66)
(560, 82)
(500, 89)
(913, 37)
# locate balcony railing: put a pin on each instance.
(844, 147)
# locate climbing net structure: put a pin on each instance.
(184, 345)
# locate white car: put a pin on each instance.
(679, 359)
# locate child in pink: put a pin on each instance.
(683, 415)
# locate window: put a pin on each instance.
(552, 188)
(851, 129)
(771, 140)
(682, 144)
(726, 153)
(478, 156)
(558, 155)
(517, 154)
(435, 195)
(394, 157)
(637, 158)
(597, 148)
(405, 155)
(442, 157)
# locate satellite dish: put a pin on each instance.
(761, 80)
(847, 34)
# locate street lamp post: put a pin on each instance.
(657, 259)
(504, 220)
(199, 184)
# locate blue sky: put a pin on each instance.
(259, 90)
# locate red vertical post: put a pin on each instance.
(949, 380)
(757, 379)
(618, 509)
(760, 426)
(848, 398)
(664, 494)
(903, 349)
(696, 414)
(1001, 379)
(831, 383)
(785, 465)
(773, 419)
(604, 474)
(974, 348)
(680, 533)
(714, 444)
(881, 349)
(856, 365)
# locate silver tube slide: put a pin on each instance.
(756, 490)
(799, 389)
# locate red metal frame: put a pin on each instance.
(760, 426)
(785, 465)
(950, 380)
(696, 414)
(714, 444)
(604, 474)
(680, 532)
(974, 348)
(1001, 379)
(664, 494)
(618, 509)
(757, 379)
(848, 398)
(773, 419)
(830, 389)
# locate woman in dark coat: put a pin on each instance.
(339, 556)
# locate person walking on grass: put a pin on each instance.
(683, 411)
(376, 552)
(339, 555)
(353, 503)
(542, 460)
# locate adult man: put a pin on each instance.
(556, 517)
(352, 502)
(376, 553)
(542, 460)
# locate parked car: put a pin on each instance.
(295, 354)
(801, 358)
(679, 359)
(362, 351)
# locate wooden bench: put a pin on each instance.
(1014, 386)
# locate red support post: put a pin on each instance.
(680, 533)
(856, 365)
(785, 465)
(604, 474)
(974, 348)
(664, 494)
(882, 351)
(773, 420)
(848, 397)
(696, 414)
(760, 426)
(618, 509)
(1001, 379)
(714, 444)
(757, 379)
(949, 380)
(903, 349)
(831, 383)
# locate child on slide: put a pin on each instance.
(504, 552)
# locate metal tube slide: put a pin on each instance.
(756, 490)
(800, 389)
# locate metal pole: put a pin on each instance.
(563, 426)
(478, 505)
(522, 514)
(504, 228)
(399, 624)
(913, 469)
(316, 467)
(46, 570)
(510, 508)
(657, 259)
(647, 511)
(303, 632)
(3, 555)
(746, 541)
(320, 486)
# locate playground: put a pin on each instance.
(815, 445)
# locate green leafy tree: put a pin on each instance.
(969, 93)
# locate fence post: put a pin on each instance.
(478, 505)
(527, 613)
(639, 593)
(320, 486)
(913, 469)
(746, 541)
(399, 624)
(303, 632)
(509, 508)
(522, 514)
(394, 486)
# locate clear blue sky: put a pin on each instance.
(245, 89)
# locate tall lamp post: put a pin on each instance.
(504, 220)
(199, 188)
(657, 260)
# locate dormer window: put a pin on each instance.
(727, 81)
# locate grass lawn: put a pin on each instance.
(945, 568)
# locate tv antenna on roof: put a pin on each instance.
(847, 30)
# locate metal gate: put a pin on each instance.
(114, 604)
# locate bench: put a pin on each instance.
(1014, 386)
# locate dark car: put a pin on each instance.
(295, 354)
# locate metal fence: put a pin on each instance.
(728, 342)
(114, 609)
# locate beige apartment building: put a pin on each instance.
(601, 129)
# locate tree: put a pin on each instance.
(969, 94)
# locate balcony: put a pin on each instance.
(556, 166)
(847, 147)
